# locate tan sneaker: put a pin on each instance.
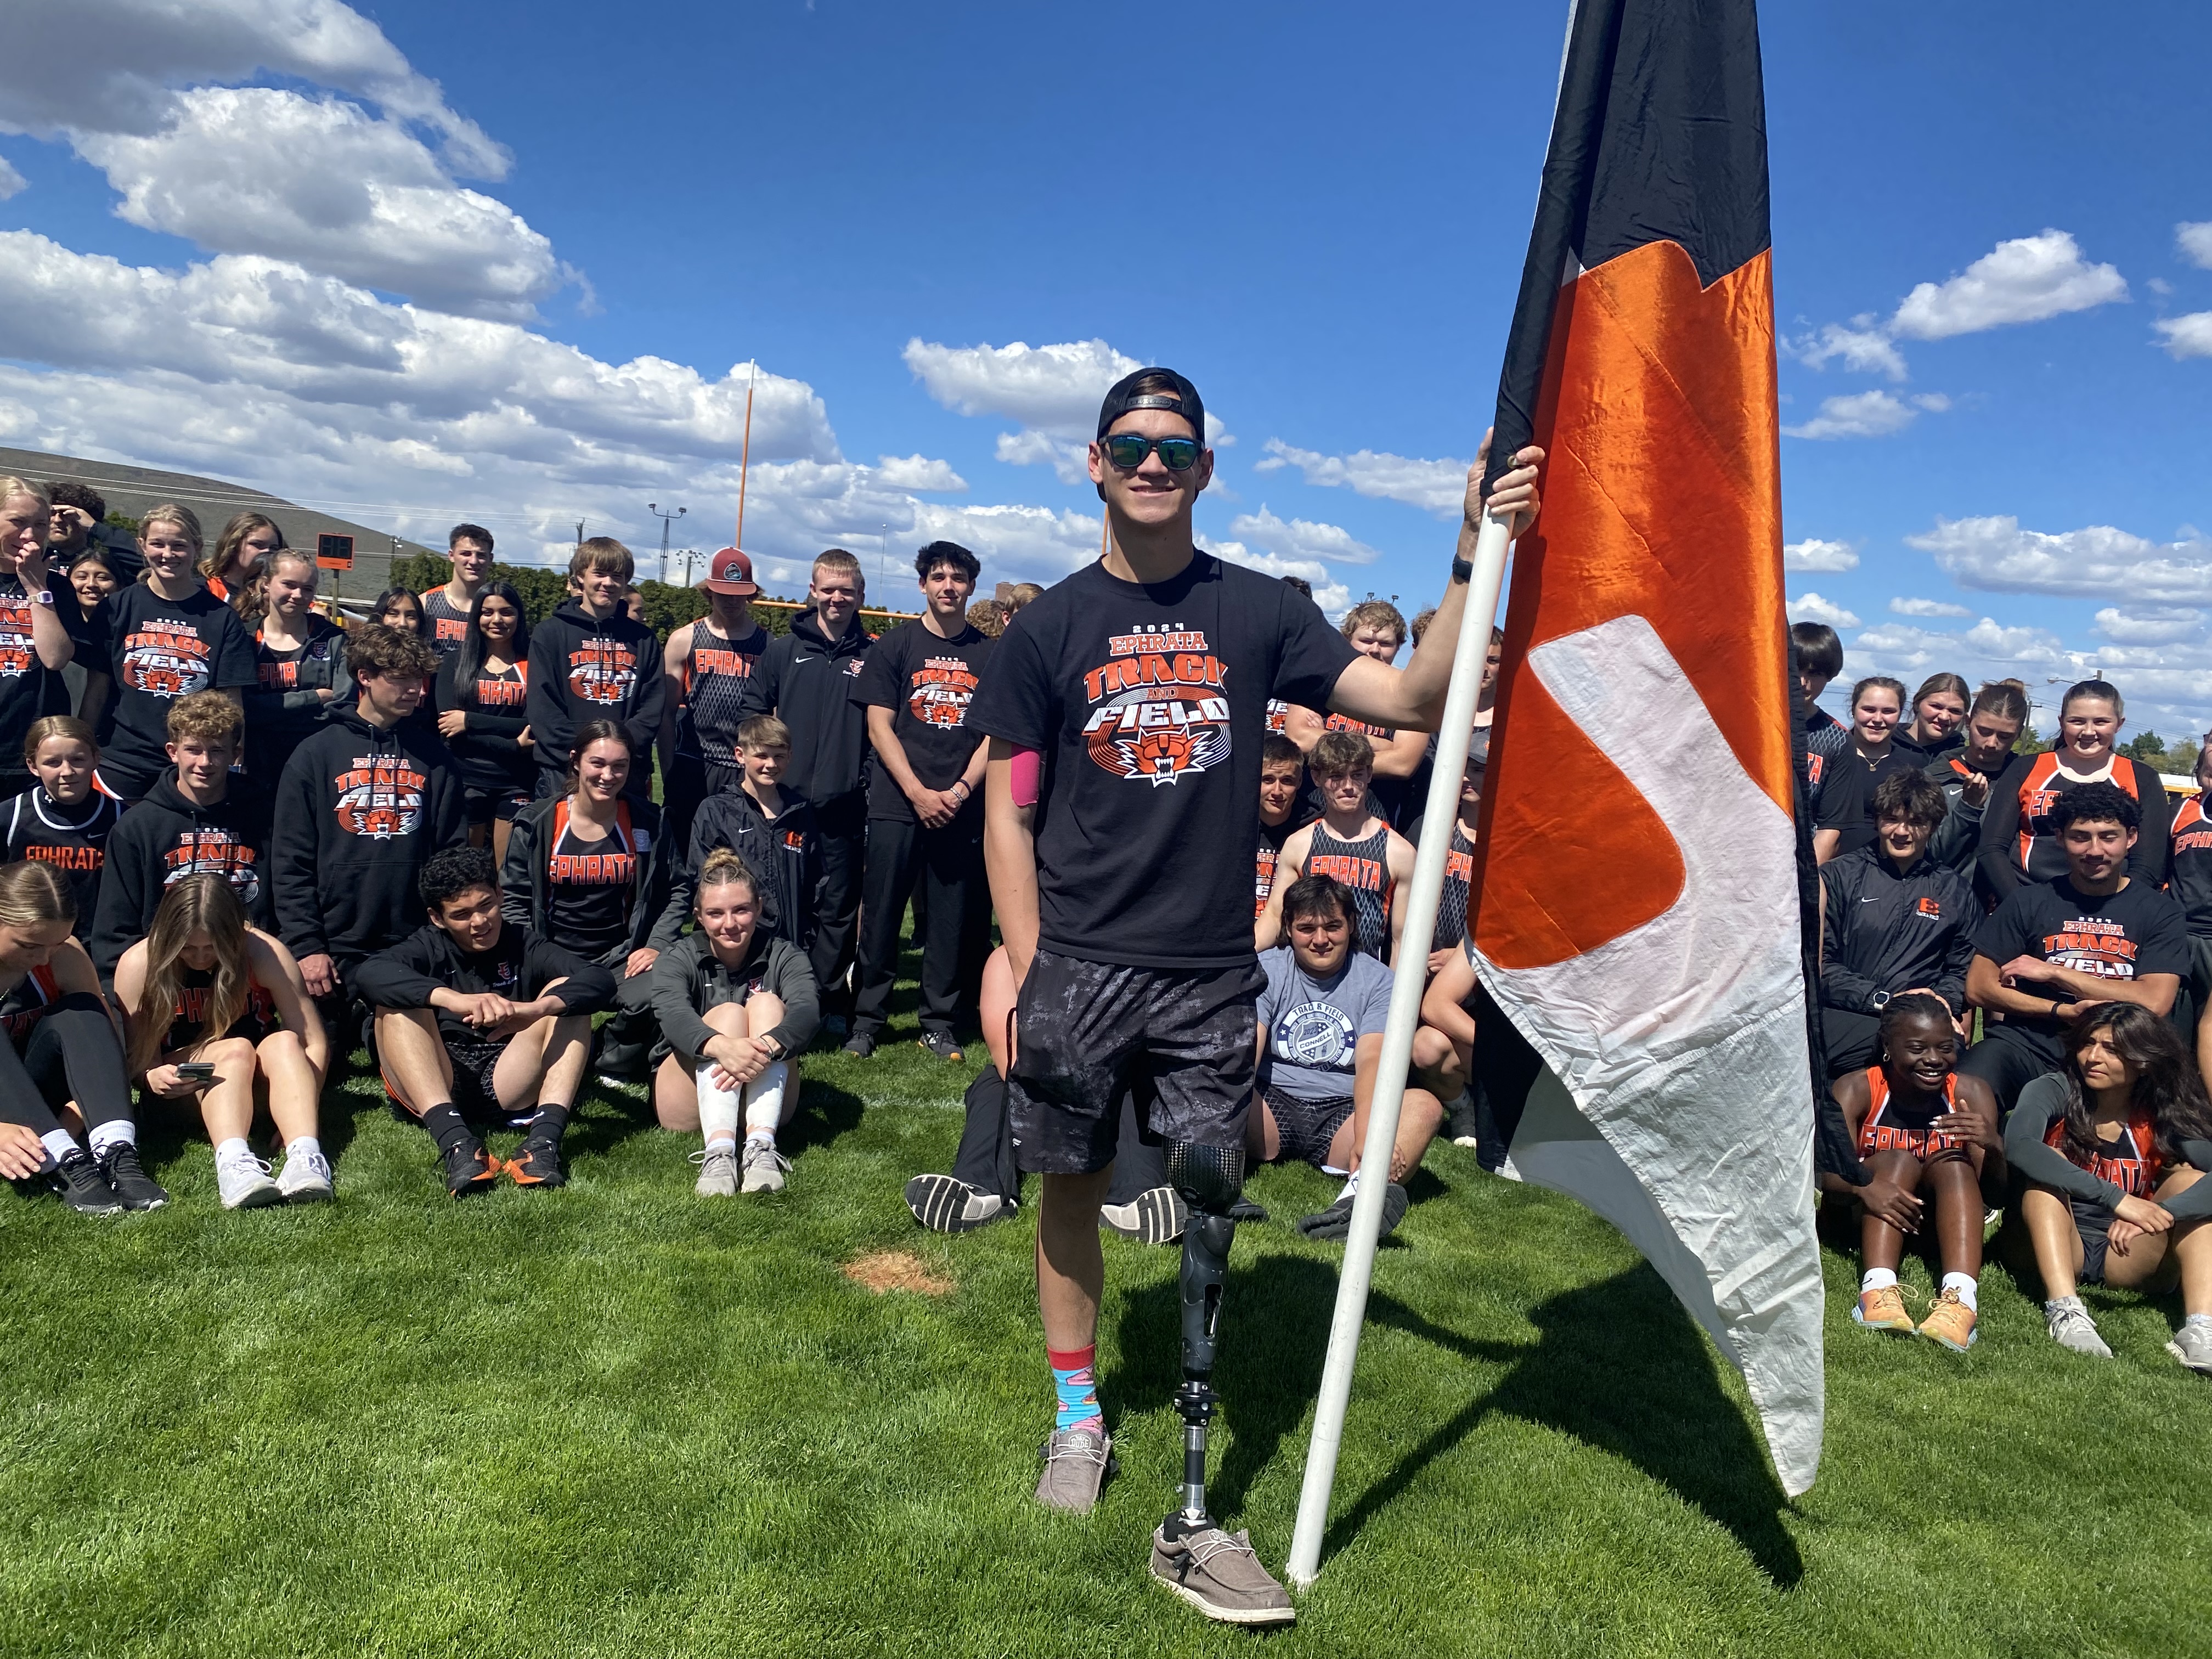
(1883, 1310)
(1951, 1322)
(1077, 1462)
(1217, 1572)
(763, 1167)
(717, 1171)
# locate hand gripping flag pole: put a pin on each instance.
(1464, 691)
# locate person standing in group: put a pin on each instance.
(300, 657)
(1282, 785)
(707, 664)
(768, 826)
(1352, 843)
(199, 817)
(1118, 843)
(2020, 841)
(1969, 776)
(1377, 628)
(1939, 710)
(1846, 821)
(589, 661)
(925, 808)
(241, 554)
(1816, 657)
(80, 526)
(481, 692)
(60, 1067)
(34, 643)
(447, 609)
(361, 806)
(2095, 935)
(167, 637)
(205, 988)
(65, 819)
(805, 678)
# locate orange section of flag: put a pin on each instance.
(1658, 417)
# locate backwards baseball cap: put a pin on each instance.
(1168, 390)
(731, 572)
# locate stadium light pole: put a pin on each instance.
(1492, 543)
(666, 520)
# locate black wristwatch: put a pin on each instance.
(1462, 570)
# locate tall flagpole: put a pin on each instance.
(1493, 541)
(746, 456)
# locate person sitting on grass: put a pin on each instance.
(1920, 1129)
(65, 818)
(218, 1015)
(771, 828)
(985, 1184)
(1319, 1042)
(61, 1069)
(480, 1021)
(586, 867)
(736, 1006)
(2109, 1153)
(1349, 843)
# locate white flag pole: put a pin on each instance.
(1492, 545)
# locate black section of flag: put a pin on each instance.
(1660, 135)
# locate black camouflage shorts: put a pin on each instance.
(1090, 1035)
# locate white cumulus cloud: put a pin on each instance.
(2155, 625)
(1331, 595)
(2195, 242)
(2188, 336)
(1053, 390)
(12, 183)
(1438, 486)
(1814, 554)
(1811, 607)
(1862, 346)
(1993, 554)
(1301, 538)
(918, 472)
(1909, 607)
(1858, 415)
(2021, 281)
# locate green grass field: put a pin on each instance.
(620, 1420)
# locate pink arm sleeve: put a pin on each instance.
(1022, 775)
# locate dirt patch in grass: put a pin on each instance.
(895, 1270)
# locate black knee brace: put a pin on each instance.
(1210, 1179)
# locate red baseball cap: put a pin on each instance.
(731, 573)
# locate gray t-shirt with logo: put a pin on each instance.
(1314, 1026)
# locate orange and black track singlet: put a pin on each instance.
(2039, 854)
(1883, 1130)
(1459, 877)
(1271, 838)
(2130, 1161)
(591, 886)
(447, 624)
(31, 1000)
(1362, 866)
(188, 1020)
(715, 673)
(2190, 867)
(73, 840)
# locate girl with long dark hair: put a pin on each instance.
(2111, 1151)
(218, 1014)
(482, 689)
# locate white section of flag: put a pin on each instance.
(1678, 1102)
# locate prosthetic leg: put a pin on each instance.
(1210, 1179)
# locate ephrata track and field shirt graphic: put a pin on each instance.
(939, 690)
(1159, 708)
(213, 851)
(2092, 945)
(18, 655)
(164, 657)
(380, 796)
(602, 669)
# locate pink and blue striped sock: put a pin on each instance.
(1078, 1387)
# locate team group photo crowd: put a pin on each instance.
(1151, 831)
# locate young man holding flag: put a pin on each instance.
(1127, 715)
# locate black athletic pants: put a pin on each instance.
(1854, 1040)
(71, 1054)
(2008, 1063)
(952, 915)
(842, 823)
(985, 1158)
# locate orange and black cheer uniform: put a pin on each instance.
(2020, 842)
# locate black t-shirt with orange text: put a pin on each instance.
(28, 690)
(2119, 936)
(1150, 704)
(160, 650)
(928, 683)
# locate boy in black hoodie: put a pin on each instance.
(361, 806)
(199, 817)
(771, 828)
(588, 661)
(805, 678)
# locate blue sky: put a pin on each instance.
(430, 259)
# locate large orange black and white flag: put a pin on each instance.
(1638, 919)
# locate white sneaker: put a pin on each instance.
(2192, 1346)
(717, 1171)
(306, 1178)
(764, 1167)
(243, 1181)
(2072, 1327)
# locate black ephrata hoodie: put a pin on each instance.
(584, 669)
(358, 813)
(165, 838)
(805, 679)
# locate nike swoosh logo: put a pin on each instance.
(1876, 899)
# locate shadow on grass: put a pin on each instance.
(1620, 1367)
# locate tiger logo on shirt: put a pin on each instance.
(165, 658)
(939, 691)
(602, 671)
(1158, 708)
(380, 797)
(17, 652)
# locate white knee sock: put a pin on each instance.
(718, 1107)
(1965, 1284)
(764, 1102)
